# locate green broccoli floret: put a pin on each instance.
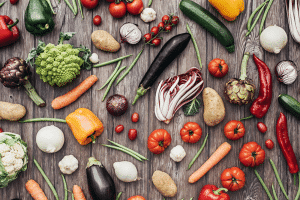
(58, 65)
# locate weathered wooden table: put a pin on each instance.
(209, 49)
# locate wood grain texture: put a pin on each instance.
(209, 48)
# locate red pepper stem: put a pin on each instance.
(11, 25)
(218, 191)
(33, 95)
(245, 118)
(244, 66)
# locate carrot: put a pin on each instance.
(78, 193)
(35, 190)
(218, 155)
(73, 95)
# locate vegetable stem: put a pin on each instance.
(199, 152)
(112, 61)
(31, 92)
(274, 192)
(298, 192)
(245, 118)
(112, 75)
(263, 184)
(244, 66)
(140, 92)
(46, 179)
(262, 23)
(119, 195)
(1, 4)
(278, 179)
(43, 120)
(80, 8)
(149, 3)
(65, 187)
(123, 150)
(256, 19)
(50, 5)
(195, 45)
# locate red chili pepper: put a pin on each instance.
(9, 32)
(211, 192)
(285, 144)
(261, 105)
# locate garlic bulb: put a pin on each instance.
(94, 58)
(130, 33)
(148, 15)
(286, 72)
(273, 39)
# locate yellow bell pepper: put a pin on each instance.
(85, 125)
(229, 9)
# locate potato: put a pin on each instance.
(105, 41)
(214, 110)
(164, 184)
(11, 112)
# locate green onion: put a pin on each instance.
(46, 178)
(130, 150)
(50, 5)
(130, 67)
(112, 61)
(195, 45)
(43, 120)
(274, 192)
(263, 184)
(199, 152)
(265, 16)
(112, 75)
(80, 8)
(298, 192)
(278, 179)
(65, 187)
(253, 14)
(70, 6)
(1, 4)
(256, 20)
(112, 81)
(123, 150)
(119, 195)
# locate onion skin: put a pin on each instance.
(130, 33)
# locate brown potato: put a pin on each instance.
(11, 112)
(164, 184)
(105, 41)
(214, 109)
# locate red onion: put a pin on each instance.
(176, 92)
(130, 33)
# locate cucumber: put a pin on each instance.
(290, 104)
(209, 22)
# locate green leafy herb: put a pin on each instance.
(34, 52)
(85, 55)
(192, 108)
(65, 36)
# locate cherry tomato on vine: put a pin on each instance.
(14, 2)
(154, 30)
(156, 42)
(147, 37)
(135, 7)
(132, 133)
(168, 28)
(97, 20)
(135, 117)
(89, 4)
(165, 19)
(119, 128)
(269, 144)
(175, 20)
(161, 25)
(117, 10)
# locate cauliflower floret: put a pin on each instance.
(18, 164)
(177, 153)
(18, 151)
(4, 148)
(8, 158)
(68, 164)
(10, 169)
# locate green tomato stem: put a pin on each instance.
(218, 191)
(33, 95)
(244, 66)
(199, 152)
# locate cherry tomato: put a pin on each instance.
(269, 144)
(156, 42)
(168, 28)
(147, 37)
(89, 4)
(117, 10)
(165, 19)
(262, 127)
(97, 20)
(132, 133)
(14, 1)
(119, 128)
(135, 7)
(154, 30)
(135, 117)
(1, 130)
(175, 20)
(161, 25)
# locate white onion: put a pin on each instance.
(126, 171)
(130, 33)
(273, 39)
(286, 72)
(50, 139)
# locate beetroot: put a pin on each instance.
(116, 105)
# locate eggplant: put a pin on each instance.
(171, 50)
(101, 185)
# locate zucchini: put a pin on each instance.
(290, 104)
(209, 22)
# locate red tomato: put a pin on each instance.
(117, 10)
(137, 197)
(233, 179)
(234, 130)
(191, 132)
(1, 130)
(119, 128)
(262, 127)
(269, 144)
(168, 28)
(132, 133)
(165, 19)
(89, 4)
(156, 42)
(97, 20)
(135, 117)
(154, 30)
(161, 26)
(175, 20)
(158, 141)
(252, 154)
(135, 7)
(147, 37)
(14, 1)
(218, 68)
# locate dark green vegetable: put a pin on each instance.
(192, 108)
(50, 5)
(290, 104)
(209, 22)
(199, 152)
(38, 17)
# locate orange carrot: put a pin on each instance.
(78, 193)
(35, 190)
(74, 94)
(218, 155)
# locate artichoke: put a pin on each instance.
(15, 73)
(240, 91)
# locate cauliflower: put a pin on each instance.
(177, 153)
(148, 15)
(13, 157)
(68, 164)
